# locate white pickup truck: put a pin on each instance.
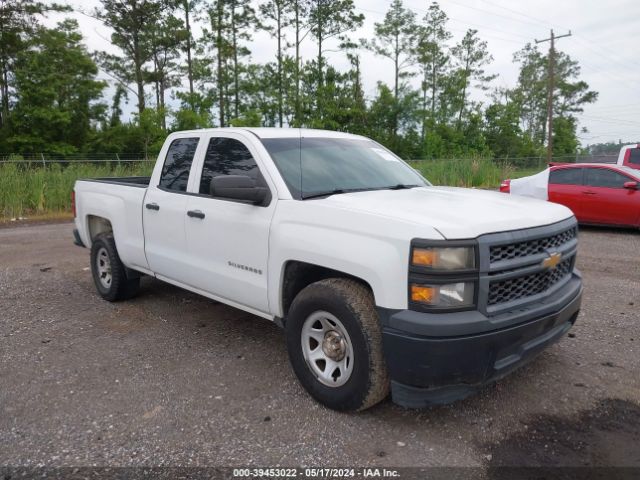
(381, 281)
(629, 156)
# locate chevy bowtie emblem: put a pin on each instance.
(552, 261)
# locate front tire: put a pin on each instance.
(109, 274)
(334, 342)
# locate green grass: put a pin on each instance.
(33, 191)
(476, 172)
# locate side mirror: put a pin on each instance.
(631, 185)
(238, 187)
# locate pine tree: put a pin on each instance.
(130, 21)
(329, 19)
(472, 56)
(432, 59)
(18, 22)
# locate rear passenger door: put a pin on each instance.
(565, 188)
(164, 210)
(606, 199)
(228, 240)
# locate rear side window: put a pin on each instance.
(566, 176)
(634, 156)
(227, 156)
(603, 177)
(177, 164)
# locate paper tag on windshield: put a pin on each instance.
(384, 154)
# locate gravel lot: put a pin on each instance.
(171, 378)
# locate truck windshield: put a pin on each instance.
(315, 167)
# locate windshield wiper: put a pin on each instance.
(336, 191)
(324, 194)
(402, 186)
(399, 186)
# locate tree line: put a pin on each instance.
(52, 96)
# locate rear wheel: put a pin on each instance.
(335, 344)
(109, 274)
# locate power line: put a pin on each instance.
(608, 55)
(464, 22)
(537, 20)
(481, 10)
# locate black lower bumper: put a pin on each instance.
(76, 238)
(431, 370)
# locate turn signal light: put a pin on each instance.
(420, 293)
(424, 257)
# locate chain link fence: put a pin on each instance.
(43, 159)
(131, 158)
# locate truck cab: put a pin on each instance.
(629, 156)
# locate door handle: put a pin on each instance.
(153, 206)
(195, 214)
(589, 193)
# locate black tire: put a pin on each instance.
(353, 305)
(120, 287)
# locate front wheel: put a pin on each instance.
(109, 274)
(335, 344)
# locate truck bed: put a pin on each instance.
(119, 200)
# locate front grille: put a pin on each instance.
(521, 287)
(531, 247)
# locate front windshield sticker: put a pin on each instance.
(384, 154)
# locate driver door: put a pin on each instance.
(228, 240)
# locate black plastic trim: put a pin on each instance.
(428, 371)
(265, 204)
(427, 276)
(76, 239)
(137, 182)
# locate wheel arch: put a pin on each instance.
(296, 275)
(97, 225)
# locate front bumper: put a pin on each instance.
(436, 359)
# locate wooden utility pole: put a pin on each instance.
(550, 87)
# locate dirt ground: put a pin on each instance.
(171, 378)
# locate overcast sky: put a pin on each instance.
(605, 39)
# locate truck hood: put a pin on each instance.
(454, 212)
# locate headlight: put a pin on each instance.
(450, 295)
(444, 258)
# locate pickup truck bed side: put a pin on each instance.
(116, 205)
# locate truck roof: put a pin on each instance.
(273, 132)
(583, 164)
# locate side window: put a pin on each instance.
(603, 177)
(227, 156)
(175, 171)
(566, 176)
(634, 156)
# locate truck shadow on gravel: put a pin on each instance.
(606, 436)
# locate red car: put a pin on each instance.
(598, 194)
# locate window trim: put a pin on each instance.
(602, 168)
(193, 161)
(569, 168)
(200, 165)
(631, 155)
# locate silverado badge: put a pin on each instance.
(552, 261)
